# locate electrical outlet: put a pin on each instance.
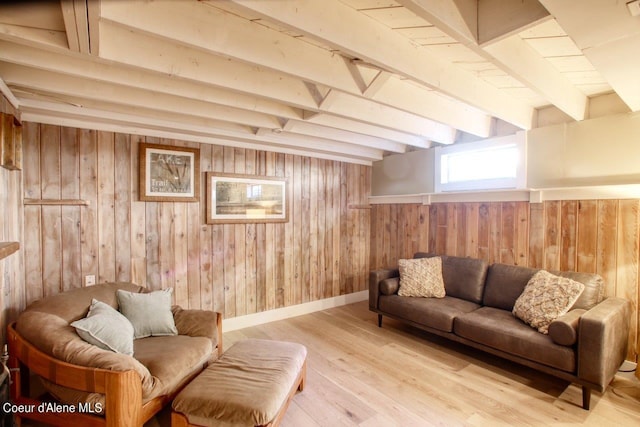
(89, 280)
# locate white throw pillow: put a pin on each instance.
(150, 314)
(106, 328)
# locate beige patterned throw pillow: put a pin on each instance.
(545, 298)
(421, 277)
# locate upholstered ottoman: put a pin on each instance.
(251, 384)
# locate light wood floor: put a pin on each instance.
(361, 375)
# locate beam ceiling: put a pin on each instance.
(344, 80)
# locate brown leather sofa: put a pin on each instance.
(585, 346)
(105, 388)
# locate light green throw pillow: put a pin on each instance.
(106, 328)
(150, 314)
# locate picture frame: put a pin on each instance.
(237, 198)
(169, 174)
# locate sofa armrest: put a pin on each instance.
(375, 277)
(199, 323)
(603, 335)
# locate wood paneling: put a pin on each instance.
(601, 236)
(11, 216)
(235, 268)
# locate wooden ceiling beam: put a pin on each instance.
(76, 24)
(456, 18)
(332, 21)
(497, 19)
(99, 119)
(311, 129)
(57, 83)
(350, 125)
(145, 51)
(109, 72)
(105, 72)
(609, 37)
(527, 65)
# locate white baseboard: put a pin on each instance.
(249, 320)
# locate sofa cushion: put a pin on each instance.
(421, 278)
(149, 313)
(545, 298)
(172, 360)
(463, 277)
(505, 283)
(498, 329)
(434, 313)
(107, 328)
(593, 288)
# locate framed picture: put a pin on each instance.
(169, 174)
(246, 198)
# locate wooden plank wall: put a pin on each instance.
(596, 236)
(11, 277)
(323, 251)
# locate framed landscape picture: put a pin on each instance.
(235, 198)
(169, 174)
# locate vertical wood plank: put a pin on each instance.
(495, 231)
(106, 201)
(181, 255)
(483, 231)
(137, 216)
(587, 236)
(313, 214)
(628, 239)
(607, 249)
(70, 189)
(89, 191)
(471, 227)
(32, 214)
(284, 296)
(251, 266)
(508, 238)
(536, 235)
(552, 235)
(270, 248)
(122, 207)
(522, 233)
(281, 235)
(305, 224)
(212, 253)
(568, 229)
(424, 221)
(51, 215)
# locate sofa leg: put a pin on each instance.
(586, 397)
(379, 320)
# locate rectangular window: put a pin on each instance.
(496, 163)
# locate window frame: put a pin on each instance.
(515, 183)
